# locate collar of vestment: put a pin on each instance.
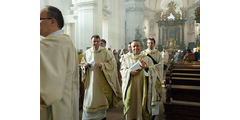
(136, 57)
(56, 32)
(151, 52)
(100, 49)
(128, 53)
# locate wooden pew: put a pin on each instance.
(185, 81)
(183, 92)
(178, 110)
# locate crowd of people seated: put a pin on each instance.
(186, 56)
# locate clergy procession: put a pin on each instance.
(87, 85)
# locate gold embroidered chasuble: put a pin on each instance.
(102, 89)
(59, 80)
(158, 75)
(136, 89)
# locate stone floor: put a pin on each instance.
(117, 113)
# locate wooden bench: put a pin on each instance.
(194, 71)
(195, 81)
(187, 66)
(192, 75)
(178, 110)
(183, 92)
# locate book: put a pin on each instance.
(136, 66)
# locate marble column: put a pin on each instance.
(164, 36)
(167, 34)
(134, 19)
(181, 33)
(183, 43)
(116, 25)
(89, 21)
(176, 35)
(159, 38)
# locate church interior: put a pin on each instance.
(175, 26)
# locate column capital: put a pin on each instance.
(83, 5)
(135, 6)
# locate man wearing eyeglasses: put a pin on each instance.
(59, 84)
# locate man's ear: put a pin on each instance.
(53, 21)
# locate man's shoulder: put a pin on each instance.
(128, 55)
(104, 50)
(87, 51)
(157, 52)
(125, 56)
(145, 51)
(146, 57)
(58, 38)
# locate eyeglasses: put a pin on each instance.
(45, 18)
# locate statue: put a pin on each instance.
(138, 35)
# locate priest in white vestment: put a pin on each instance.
(129, 52)
(165, 57)
(155, 56)
(102, 89)
(137, 71)
(103, 44)
(59, 82)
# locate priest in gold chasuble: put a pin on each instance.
(102, 89)
(136, 71)
(155, 56)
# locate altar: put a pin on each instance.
(171, 28)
